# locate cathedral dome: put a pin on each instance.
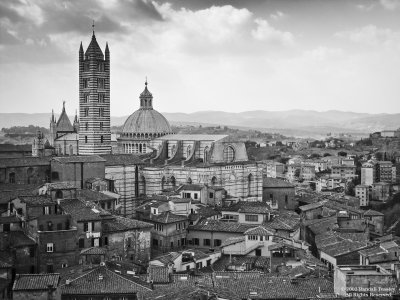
(146, 119)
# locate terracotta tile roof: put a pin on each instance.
(31, 282)
(24, 162)
(371, 212)
(166, 218)
(215, 225)
(118, 223)
(158, 274)
(312, 206)
(259, 230)
(94, 251)
(122, 159)
(289, 221)
(17, 239)
(78, 159)
(206, 212)
(89, 195)
(168, 258)
(37, 200)
(191, 187)
(323, 225)
(5, 265)
(61, 185)
(233, 240)
(82, 212)
(269, 182)
(102, 281)
(248, 207)
(342, 247)
(9, 220)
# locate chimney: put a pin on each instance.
(182, 163)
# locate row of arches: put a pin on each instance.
(135, 147)
(141, 135)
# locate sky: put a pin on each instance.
(204, 55)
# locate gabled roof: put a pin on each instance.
(168, 258)
(123, 224)
(191, 187)
(102, 281)
(269, 182)
(342, 247)
(37, 200)
(94, 49)
(284, 221)
(34, 282)
(90, 195)
(233, 240)
(94, 251)
(371, 212)
(19, 239)
(260, 230)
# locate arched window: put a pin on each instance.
(101, 139)
(229, 154)
(189, 180)
(162, 183)
(140, 148)
(11, 177)
(250, 180)
(188, 151)
(213, 181)
(86, 139)
(59, 194)
(71, 150)
(206, 153)
(173, 181)
(173, 150)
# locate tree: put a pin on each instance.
(342, 153)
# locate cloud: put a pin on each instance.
(322, 53)
(278, 15)
(372, 35)
(365, 7)
(265, 32)
(390, 4)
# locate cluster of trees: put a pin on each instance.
(24, 130)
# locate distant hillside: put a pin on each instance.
(291, 122)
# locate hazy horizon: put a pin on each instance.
(232, 56)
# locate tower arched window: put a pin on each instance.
(250, 181)
(86, 139)
(188, 151)
(206, 153)
(229, 154)
(11, 177)
(101, 139)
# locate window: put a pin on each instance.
(85, 82)
(6, 227)
(129, 242)
(229, 154)
(59, 226)
(252, 237)
(101, 139)
(86, 112)
(196, 241)
(217, 243)
(106, 241)
(31, 251)
(101, 125)
(86, 98)
(50, 226)
(50, 247)
(186, 195)
(102, 98)
(86, 139)
(196, 196)
(86, 67)
(206, 242)
(251, 218)
(46, 210)
(211, 195)
(64, 265)
(85, 227)
(101, 112)
(81, 243)
(100, 83)
(11, 177)
(101, 67)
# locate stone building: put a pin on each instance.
(94, 100)
(37, 286)
(279, 194)
(25, 170)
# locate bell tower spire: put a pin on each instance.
(146, 98)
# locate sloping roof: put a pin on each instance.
(269, 182)
(168, 258)
(72, 136)
(166, 217)
(82, 212)
(371, 212)
(191, 187)
(342, 247)
(207, 211)
(215, 225)
(37, 200)
(284, 221)
(94, 251)
(233, 240)
(123, 224)
(90, 195)
(10, 192)
(19, 239)
(248, 207)
(61, 185)
(78, 159)
(94, 49)
(259, 230)
(122, 159)
(24, 162)
(102, 281)
(32, 282)
(312, 206)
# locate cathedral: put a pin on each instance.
(169, 160)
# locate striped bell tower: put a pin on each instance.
(94, 100)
